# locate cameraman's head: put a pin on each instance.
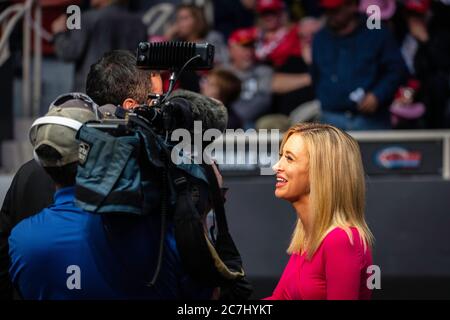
(54, 143)
(115, 79)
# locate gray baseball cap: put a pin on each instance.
(58, 129)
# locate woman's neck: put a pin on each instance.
(302, 208)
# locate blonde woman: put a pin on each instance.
(320, 172)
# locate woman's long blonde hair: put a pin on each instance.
(337, 186)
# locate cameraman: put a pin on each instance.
(64, 252)
(113, 79)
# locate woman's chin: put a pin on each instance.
(279, 194)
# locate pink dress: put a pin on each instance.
(338, 270)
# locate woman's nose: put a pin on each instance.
(276, 167)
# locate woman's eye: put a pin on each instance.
(289, 158)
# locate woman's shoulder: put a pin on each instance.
(343, 238)
(348, 245)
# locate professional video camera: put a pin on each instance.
(126, 168)
(165, 114)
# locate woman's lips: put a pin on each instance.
(281, 182)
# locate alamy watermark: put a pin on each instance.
(373, 17)
(234, 147)
(374, 280)
(73, 281)
(73, 21)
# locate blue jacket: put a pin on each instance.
(366, 59)
(114, 259)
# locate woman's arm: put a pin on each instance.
(342, 266)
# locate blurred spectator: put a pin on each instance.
(311, 8)
(108, 26)
(387, 8)
(431, 61)
(191, 25)
(309, 26)
(356, 70)
(406, 112)
(255, 98)
(273, 122)
(291, 86)
(276, 40)
(230, 15)
(416, 30)
(54, 67)
(224, 86)
(299, 9)
(278, 44)
(159, 15)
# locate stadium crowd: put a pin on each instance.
(280, 62)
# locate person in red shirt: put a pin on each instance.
(276, 40)
(320, 173)
(278, 44)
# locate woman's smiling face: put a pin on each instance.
(292, 170)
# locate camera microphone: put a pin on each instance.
(174, 55)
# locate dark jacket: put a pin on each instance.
(102, 30)
(31, 191)
(432, 66)
(366, 59)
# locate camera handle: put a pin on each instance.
(173, 79)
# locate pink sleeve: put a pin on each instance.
(280, 289)
(342, 266)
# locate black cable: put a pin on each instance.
(142, 122)
(174, 78)
(163, 228)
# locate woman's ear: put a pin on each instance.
(129, 104)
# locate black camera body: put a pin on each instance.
(174, 55)
(167, 115)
